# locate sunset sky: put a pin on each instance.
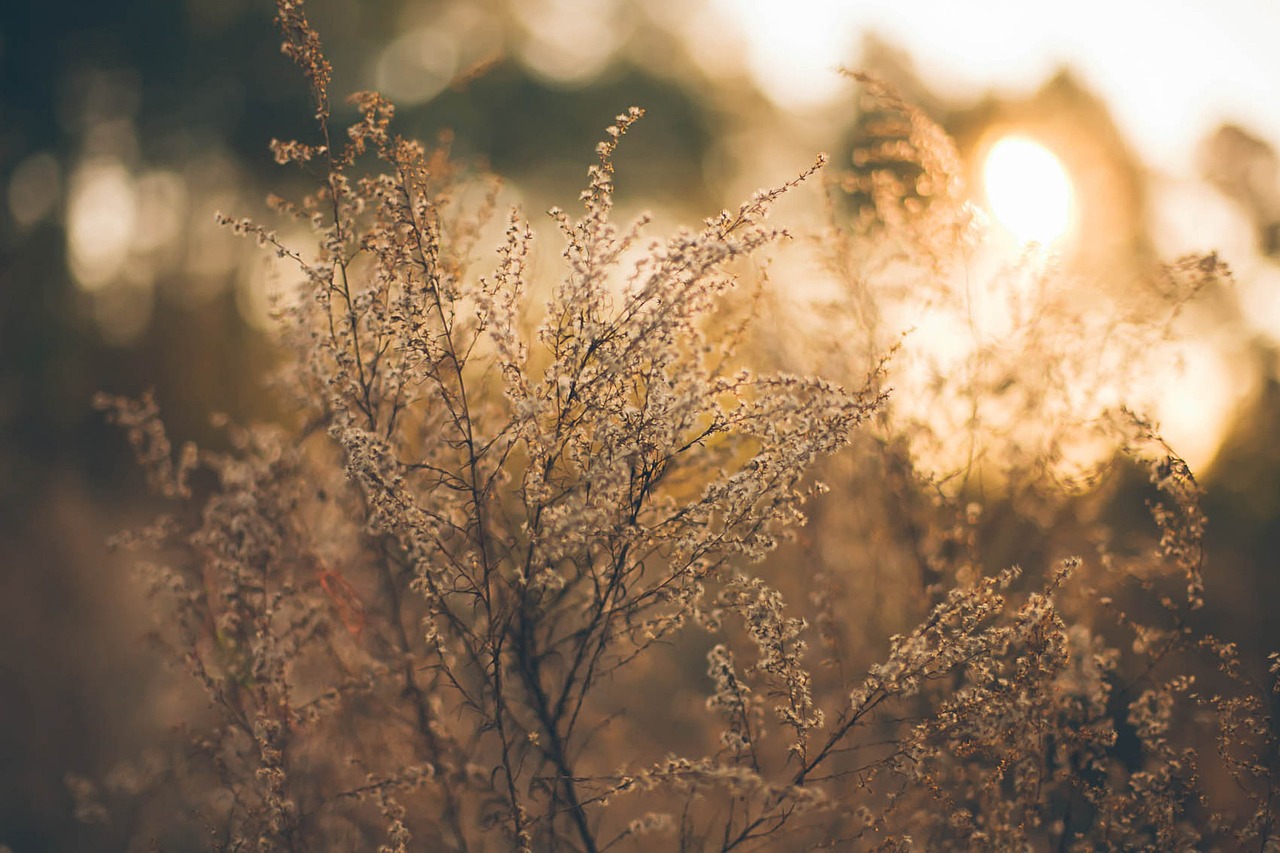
(1169, 71)
(1170, 74)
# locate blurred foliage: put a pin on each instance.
(202, 86)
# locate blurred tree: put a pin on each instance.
(1245, 169)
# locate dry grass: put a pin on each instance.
(528, 569)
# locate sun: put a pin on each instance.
(1028, 190)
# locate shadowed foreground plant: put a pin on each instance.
(508, 511)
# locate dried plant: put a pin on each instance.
(453, 605)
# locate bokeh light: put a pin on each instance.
(416, 66)
(34, 188)
(101, 215)
(569, 42)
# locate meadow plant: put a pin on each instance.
(526, 568)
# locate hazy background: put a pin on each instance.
(124, 126)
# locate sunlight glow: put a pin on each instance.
(1028, 190)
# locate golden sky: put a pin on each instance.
(1170, 71)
